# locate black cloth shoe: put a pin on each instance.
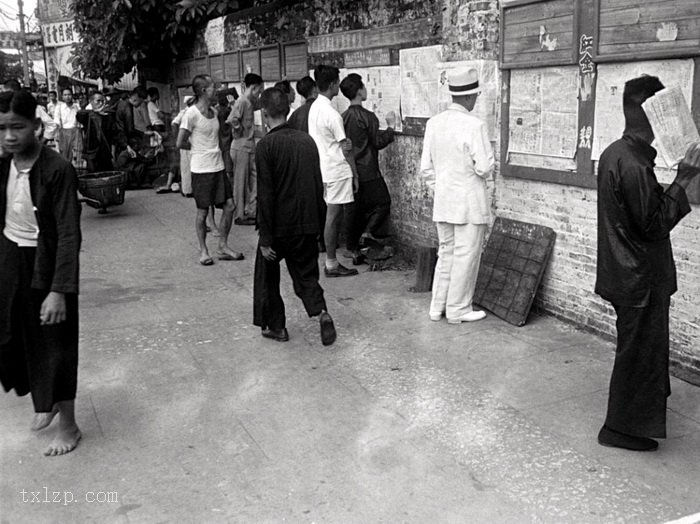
(280, 335)
(358, 259)
(328, 333)
(245, 221)
(611, 438)
(339, 271)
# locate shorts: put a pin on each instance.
(338, 192)
(211, 189)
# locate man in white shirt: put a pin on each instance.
(457, 159)
(155, 115)
(199, 132)
(51, 104)
(338, 171)
(68, 132)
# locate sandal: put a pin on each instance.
(229, 256)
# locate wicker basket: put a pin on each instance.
(102, 189)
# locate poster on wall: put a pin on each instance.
(214, 36)
(609, 120)
(425, 85)
(383, 92)
(419, 86)
(544, 111)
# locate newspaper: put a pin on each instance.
(672, 123)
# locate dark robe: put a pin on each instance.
(370, 211)
(39, 359)
(98, 129)
(637, 274)
(289, 219)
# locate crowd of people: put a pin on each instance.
(107, 130)
(297, 177)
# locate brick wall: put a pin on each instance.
(567, 287)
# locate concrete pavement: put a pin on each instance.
(188, 415)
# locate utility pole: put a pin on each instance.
(23, 42)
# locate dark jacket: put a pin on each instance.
(362, 128)
(290, 190)
(124, 124)
(635, 217)
(299, 119)
(53, 185)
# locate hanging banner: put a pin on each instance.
(59, 34)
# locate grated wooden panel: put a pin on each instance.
(511, 269)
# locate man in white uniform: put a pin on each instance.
(338, 171)
(457, 159)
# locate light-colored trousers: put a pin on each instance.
(68, 142)
(185, 172)
(245, 183)
(457, 268)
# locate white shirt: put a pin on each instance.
(20, 221)
(64, 115)
(456, 161)
(153, 110)
(204, 141)
(49, 124)
(327, 130)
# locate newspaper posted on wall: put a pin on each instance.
(672, 123)
(544, 112)
(609, 120)
(419, 86)
(383, 92)
(487, 105)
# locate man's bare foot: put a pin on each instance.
(64, 442)
(42, 420)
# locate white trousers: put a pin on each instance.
(457, 268)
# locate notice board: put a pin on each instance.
(565, 63)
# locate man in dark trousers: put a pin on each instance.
(39, 251)
(368, 215)
(289, 219)
(636, 271)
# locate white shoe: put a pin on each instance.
(435, 317)
(472, 316)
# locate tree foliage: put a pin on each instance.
(10, 66)
(117, 35)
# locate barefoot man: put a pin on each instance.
(199, 133)
(39, 248)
